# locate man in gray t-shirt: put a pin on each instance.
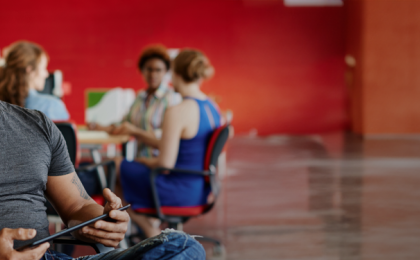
(34, 161)
(31, 150)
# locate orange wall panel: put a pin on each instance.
(388, 66)
(354, 73)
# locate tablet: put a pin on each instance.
(69, 230)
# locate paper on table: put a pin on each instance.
(83, 135)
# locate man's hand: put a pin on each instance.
(108, 233)
(125, 128)
(7, 252)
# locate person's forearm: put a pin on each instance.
(147, 138)
(149, 162)
(107, 129)
(98, 127)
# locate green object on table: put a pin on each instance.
(93, 97)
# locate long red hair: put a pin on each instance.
(14, 77)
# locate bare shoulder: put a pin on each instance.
(181, 112)
(184, 107)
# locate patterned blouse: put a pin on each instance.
(149, 118)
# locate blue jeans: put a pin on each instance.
(170, 244)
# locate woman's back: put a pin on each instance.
(192, 151)
(191, 154)
(177, 189)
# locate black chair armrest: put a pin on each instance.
(111, 176)
(155, 172)
(160, 170)
(93, 166)
(68, 240)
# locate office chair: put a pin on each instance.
(176, 216)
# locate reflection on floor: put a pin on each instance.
(318, 197)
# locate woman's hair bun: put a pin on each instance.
(193, 65)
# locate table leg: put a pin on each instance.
(96, 155)
(130, 150)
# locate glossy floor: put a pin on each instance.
(318, 197)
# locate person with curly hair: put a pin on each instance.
(23, 75)
(145, 117)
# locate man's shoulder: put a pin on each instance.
(22, 115)
(15, 109)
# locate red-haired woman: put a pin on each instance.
(24, 74)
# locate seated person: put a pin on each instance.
(34, 163)
(144, 119)
(24, 74)
(187, 128)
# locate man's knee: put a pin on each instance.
(173, 244)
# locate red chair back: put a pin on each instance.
(214, 148)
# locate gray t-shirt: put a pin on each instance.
(31, 149)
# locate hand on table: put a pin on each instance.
(7, 252)
(97, 127)
(125, 128)
(108, 233)
(91, 126)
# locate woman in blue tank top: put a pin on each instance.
(186, 131)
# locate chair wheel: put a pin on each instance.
(219, 253)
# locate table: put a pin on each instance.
(101, 137)
(93, 140)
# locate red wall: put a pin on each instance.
(386, 89)
(280, 70)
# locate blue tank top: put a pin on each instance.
(192, 152)
(175, 189)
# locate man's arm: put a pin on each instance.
(68, 196)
